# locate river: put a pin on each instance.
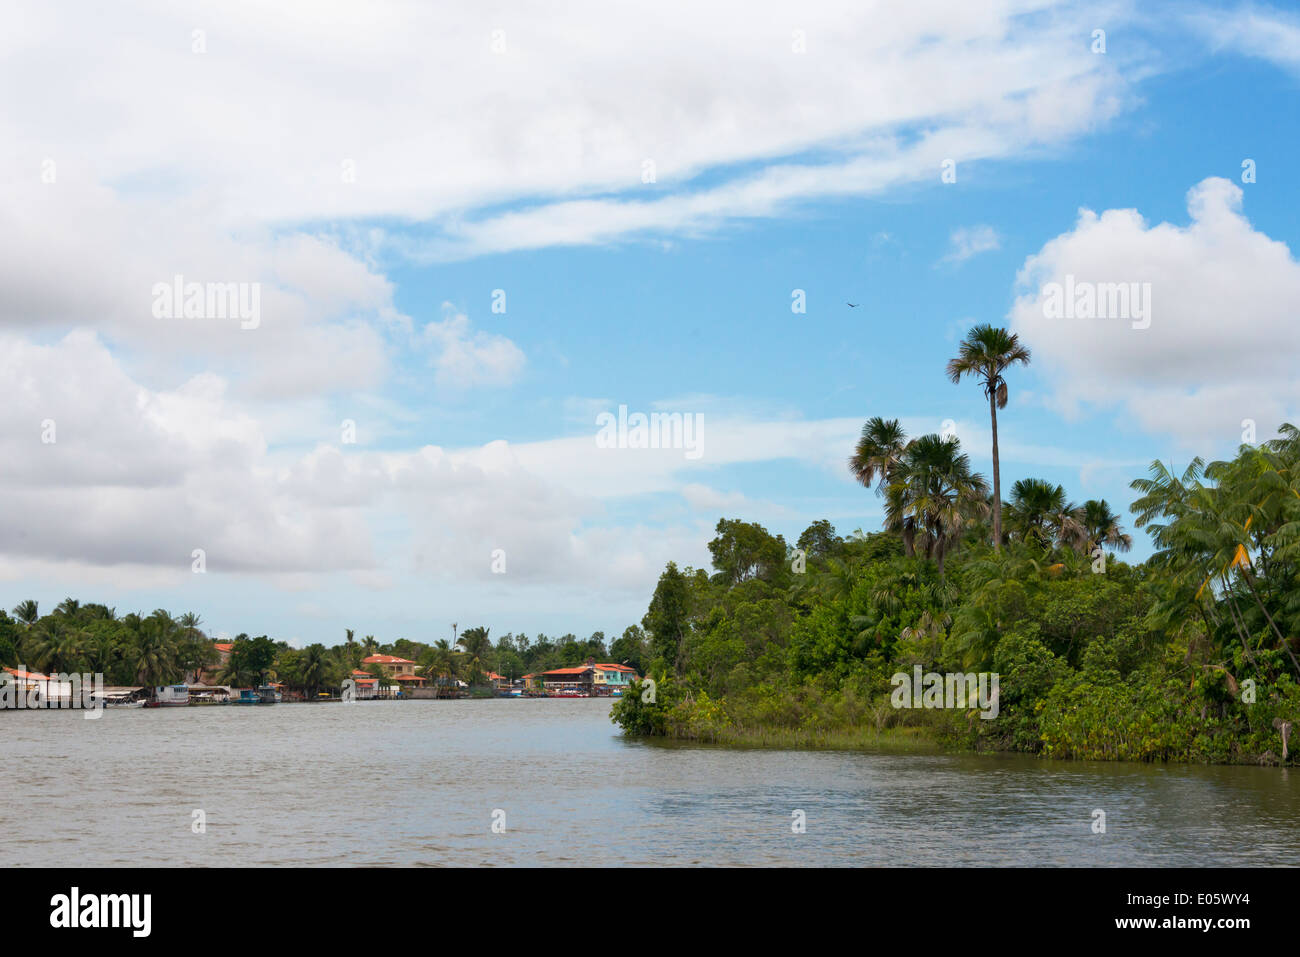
(421, 783)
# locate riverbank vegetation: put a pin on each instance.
(1188, 656)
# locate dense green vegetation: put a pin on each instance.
(1188, 656)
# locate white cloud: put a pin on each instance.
(967, 241)
(138, 478)
(292, 114)
(464, 357)
(1253, 29)
(1223, 332)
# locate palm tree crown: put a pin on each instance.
(878, 452)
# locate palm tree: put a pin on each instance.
(58, 648)
(1101, 527)
(477, 647)
(878, 452)
(194, 651)
(314, 668)
(25, 611)
(934, 496)
(1038, 514)
(153, 653)
(442, 662)
(985, 353)
(192, 625)
(68, 607)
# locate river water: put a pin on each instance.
(417, 783)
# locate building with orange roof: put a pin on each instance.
(400, 670)
(593, 678)
(364, 685)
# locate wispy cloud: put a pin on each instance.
(967, 241)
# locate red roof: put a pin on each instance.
(386, 660)
(224, 645)
(616, 668)
(568, 671)
(407, 678)
(35, 676)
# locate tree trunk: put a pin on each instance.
(997, 477)
(1286, 645)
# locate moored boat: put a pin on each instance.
(171, 696)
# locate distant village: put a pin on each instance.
(386, 677)
(131, 660)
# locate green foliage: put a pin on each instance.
(1096, 659)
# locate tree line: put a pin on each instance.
(160, 648)
(1189, 655)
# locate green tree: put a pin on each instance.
(879, 450)
(744, 550)
(934, 496)
(1101, 527)
(1040, 515)
(819, 540)
(986, 353)
(667, 619)
(26, 612)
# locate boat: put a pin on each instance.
(171, 696)
(269, 694)
(247, 696)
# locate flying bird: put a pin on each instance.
(851, 305)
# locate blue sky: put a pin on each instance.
(520, 169)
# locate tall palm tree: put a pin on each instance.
(879, 450)
(986, 353)
(26, 612)
(934, 496)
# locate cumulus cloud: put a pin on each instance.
(1223, 333)
(101, 471)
